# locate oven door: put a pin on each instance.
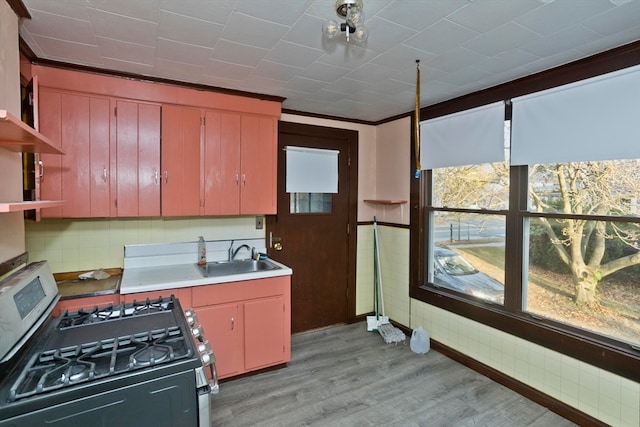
(166, 401)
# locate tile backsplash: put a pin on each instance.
(87, 244)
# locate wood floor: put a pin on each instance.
(346, 376)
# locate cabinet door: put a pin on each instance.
(222, 328)
(80, 125)
(99, 158)
(264, 340)
(76, 177)
(137, 181)
(258, 165)
(180, 186)
(221, 163)
(49, 172)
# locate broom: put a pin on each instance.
(388, 332)
(374, 321)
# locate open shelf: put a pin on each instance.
(385, 202)
(25, 206)
(19, 137)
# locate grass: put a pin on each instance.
(490, 254)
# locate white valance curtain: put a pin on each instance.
(311, 170)
(468, 137)
(593, 119)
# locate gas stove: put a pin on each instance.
(105, 365)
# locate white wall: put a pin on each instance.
(393, 164)
(11, 224)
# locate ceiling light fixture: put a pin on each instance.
(353, 25)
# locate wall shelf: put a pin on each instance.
(25, 206)
(385, 202)
(19, 137)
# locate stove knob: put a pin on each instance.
(204, 346)
(208, 358)
(192, 319)
(197, 331)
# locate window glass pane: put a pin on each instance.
(584, 273)
(598, 188)
(310, 203)
(468, 254)
(483, 186)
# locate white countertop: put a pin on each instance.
(144, 279)
(156, 267)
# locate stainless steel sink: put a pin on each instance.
(225, 268)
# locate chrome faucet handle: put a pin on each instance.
(231, 251)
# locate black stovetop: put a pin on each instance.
(121, 344)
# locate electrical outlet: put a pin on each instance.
(259, 222)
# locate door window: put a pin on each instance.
(302, 203)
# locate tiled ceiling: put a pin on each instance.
(276, 47)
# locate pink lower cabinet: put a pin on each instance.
(221, 325)
(264, 340)
(247, 323)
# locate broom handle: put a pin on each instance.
(378, 270)
(375, 279)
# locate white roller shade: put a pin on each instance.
(469, 137)
(311, 170)
(594, 119)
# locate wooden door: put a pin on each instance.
(319, 246)
(258, 165)
(180, 185)
(137, 180)
(221, 163)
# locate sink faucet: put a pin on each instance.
(233, 253)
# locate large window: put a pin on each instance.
(545, 245)
(467, 239)
(583, 255)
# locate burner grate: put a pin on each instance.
(113, 312)
(55, 369)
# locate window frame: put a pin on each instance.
(598, 350)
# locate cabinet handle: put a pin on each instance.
(156, 175)
(104, 174)
(233, 323)
(166, 176)
(244, 179)
(237, 179)
(41, 172)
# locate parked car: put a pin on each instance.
(453, 272)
